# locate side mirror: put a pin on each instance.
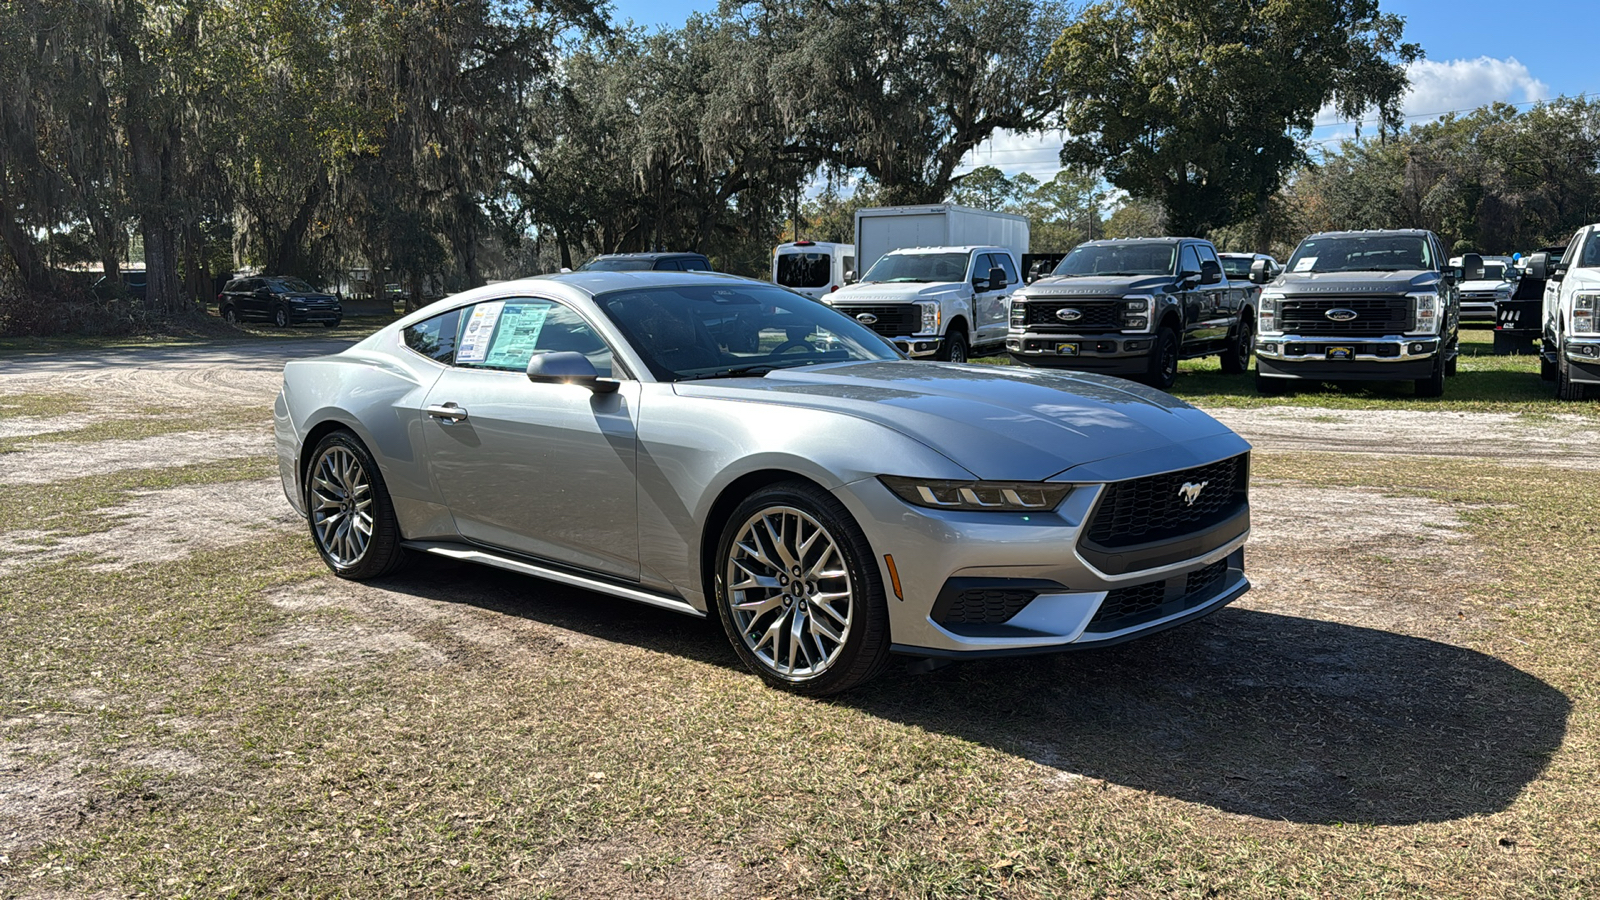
(1472, 267)
(997, 279)
(1539, 266)
(850, 276)
(568, 367)
(1210, 271)
(1260, 273)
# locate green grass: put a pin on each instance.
(88, 504)
(202, 332)
(154, 422)
(457, 731)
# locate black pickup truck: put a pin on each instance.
(1133, 307)
(1361, 306)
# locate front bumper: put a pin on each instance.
(1109, 354)
(918, 346)
(1324, 358)
(939, 554)
(1583, 359)
(301, 315)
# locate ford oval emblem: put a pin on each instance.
(1068, 315)
(867, 319)
(1340, 315)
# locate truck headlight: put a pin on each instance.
(930, 318)
(1019, 312)
(1268, 320)
(969, 496)
(1426, 307)
(1138, 311)
(1586, 312)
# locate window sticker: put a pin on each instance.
(518, 337)
(1305, 264)
(475, 337)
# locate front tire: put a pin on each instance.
(799, 593)
(230, 316)
(332, 323)
(954, 346)
(348, 507)
(280, 317)
(1271, 387)
(1566, 388)
(1433, 385)
(1236, 359)
(1163, 372)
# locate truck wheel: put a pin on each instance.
(1566, 388)
(1267, 386)
(1163, 361)
(1433, 385)
(954, 346)
(1236, 359)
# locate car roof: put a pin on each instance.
(1117, 242)
(651, 255)
(1371, 232)
(965, 248)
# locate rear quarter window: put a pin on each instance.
(435, 338)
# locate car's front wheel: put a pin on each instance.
(1163, 372)
(230, 316)
(352, 518)
(280, 317)
(799, 592)
(1566, 388)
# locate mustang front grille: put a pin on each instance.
(1162, 507)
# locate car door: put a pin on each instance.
(988, 306)
(545, 470)
(1220, 302)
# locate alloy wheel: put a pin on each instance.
(341, 506)
(790, 592)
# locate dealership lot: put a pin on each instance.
(1406, 703)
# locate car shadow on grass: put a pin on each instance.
(1250, 712)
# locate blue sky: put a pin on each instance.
(1477, 52)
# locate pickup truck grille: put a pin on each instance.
(1374, 315)
(893, 321)
(1144, 510)
(1098, 315)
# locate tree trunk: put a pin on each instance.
(152, 174)
(287, 252)
(20, 246)
(566, 249)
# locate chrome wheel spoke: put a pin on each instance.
(789, 592)
(341, 500)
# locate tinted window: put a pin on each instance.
(1236, 267)
(1363, 253)
(1187, 260)
(695, 264)
(435, 338)
(804, 270)
(668, 265)
(1003, 260)
(1206, 253)
(1591, 252)
(505, 334)
(699, 331)
(1133, 258)
(292, 285)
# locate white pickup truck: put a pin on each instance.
(1571, 339)
(939, 302)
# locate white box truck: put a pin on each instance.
(885, 228)
(936, 281)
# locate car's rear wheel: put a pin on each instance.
(1236, 359)
(280, 317)
(799, 592)
(352, 518)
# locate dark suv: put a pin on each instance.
(645, 262)
(282, 300)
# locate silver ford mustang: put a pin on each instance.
(719, 446)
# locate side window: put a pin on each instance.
(1004, 261)
(1571, 254)
(695, 264)
(668, 265)
(1187, 260)
(504, 335)
(435, 338)
(1591, 252)
(1206, 253)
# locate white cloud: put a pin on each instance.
(1458, 84)
(1037, 154)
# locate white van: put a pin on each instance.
(813, 268)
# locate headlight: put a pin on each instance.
(1138, 310)
(1267, 320)
(1019, 312)
(1426, 305)
(1002, 496)
(1585, 307)
(930, 318)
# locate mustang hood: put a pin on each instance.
(999, 423)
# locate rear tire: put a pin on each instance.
(1236, 359)
(766, 588)
(352, 519)
(954, 347)
(1163, 372)
(1433, 385)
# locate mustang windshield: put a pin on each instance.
(919, 267)
(1362, 253)
(1133, 258)
(723, 330)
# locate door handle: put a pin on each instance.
(447, 411)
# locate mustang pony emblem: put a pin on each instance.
(1190, 492)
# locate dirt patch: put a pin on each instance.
(158, 526)
(46, 463)
(29, 426)
(1360, 557)
(1556, 440)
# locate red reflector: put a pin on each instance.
(832, 289)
